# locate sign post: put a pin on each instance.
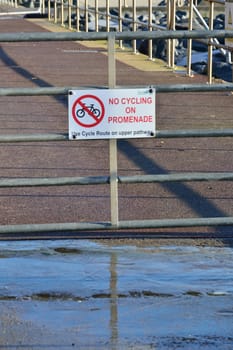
(112, 114)
(113, 142)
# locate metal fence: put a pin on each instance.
(98, 15)
(121, 15)
(113, 179)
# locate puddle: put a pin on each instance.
(92, 295)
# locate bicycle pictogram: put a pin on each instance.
(89, 110)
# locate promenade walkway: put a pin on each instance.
(39, 64)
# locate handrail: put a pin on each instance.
(158, 134)
(171, 23)
(77, 36)
(122, 225)
(101, 180)
(170, 10)
(171, 88)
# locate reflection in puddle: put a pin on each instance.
(119, 297)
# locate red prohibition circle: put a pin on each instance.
(96, 120)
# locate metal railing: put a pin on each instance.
(71, 13)
(113, 179)
(75, 16)
(17, 8)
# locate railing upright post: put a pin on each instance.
(150, 46)
(49, 10)
(55, 11)
(120, 21)
(107, 16)
(69, 13)
(86, 16)
(173, 27)
(210, 47)
(62, 13)
(42, 6)
(189, 56)
(134, 25)
(77, 16)
(113, 142)
(96, 15)
(169, 27)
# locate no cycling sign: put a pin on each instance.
(112, 113)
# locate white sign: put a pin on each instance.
(229, 20)
(113, 113)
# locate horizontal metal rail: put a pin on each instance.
(82, 36)
(57, 181)
(136, 224)
(100, 180)
(168, 88)
(159, 134)
(176, 177)
(194, 133)
(33, 138)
